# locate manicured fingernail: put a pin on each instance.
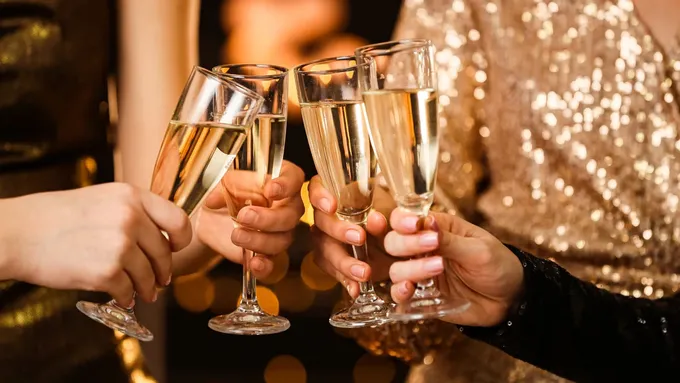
(412, 223)
(434, 265)
(277, 190)
(155, 296)
(325, 205)
(403, 290)
(132, 304)
(433, 225)
(247, 216)
(241, 236)
(358, 271)
(429, 240)
(169, 280)
(348, 287)
(353, 236)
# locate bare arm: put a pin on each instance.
(158, 47)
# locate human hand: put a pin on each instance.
(101, 238)
(267, 231)
(332, 235)
(467, 262)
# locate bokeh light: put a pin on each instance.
(194, 293)
(285, 369)
(308, 217)
(293, 294)
(281, 265)
(269, 302)
(374, 369)
(227, 292)
(313, 276)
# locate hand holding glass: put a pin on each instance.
(208, 127)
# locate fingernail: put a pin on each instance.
(353, 236)
(155, 296)
(403, 290)
(169, 280)
(347, 286)
(429, 240)
(247, 216)
(433, 226)
(241, 236)
(358, 271)
(434, 265)
(325, 205)
(256, 265)
(132, 304)
(411, 223)
(277, 190)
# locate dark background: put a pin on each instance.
(312, 350)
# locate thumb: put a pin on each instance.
(454, 244)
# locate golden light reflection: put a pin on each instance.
(281, 265)
(293, 294)
(269, 302)
(346, 333)
(227, 291)
(194, 293)
(131, 352)
(285, 369)
(308, 217)
(313, 276)
(374, 369)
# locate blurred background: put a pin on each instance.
(285, 33)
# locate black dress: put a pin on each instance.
(586, 334)
(55, 58)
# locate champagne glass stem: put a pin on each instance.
(249, 290)
(361, 253)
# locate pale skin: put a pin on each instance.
(468, 262)
(108, 237)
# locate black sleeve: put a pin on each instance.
(580, 332)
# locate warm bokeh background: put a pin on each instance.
(286, 33)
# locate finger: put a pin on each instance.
(338, 229)
(138, 268)
(157, 249)
(168, 218)
(376, 225)
(261, 266)
(402, 292)
(335, 254)
(274, 219)
(262, 243)
(287, 184)
(325, 248)
(320, 197)
(405, 222)
(400, 245)
(122, 290)
(416, 269)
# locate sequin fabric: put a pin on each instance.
(585, 333)
(559, 135)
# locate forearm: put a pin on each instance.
(7, 240)
(586, 334)
(158, 48)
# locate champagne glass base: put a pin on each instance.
(249, 322)
(428, 308)
(358, 316)
(116, 318)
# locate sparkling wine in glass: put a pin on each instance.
(335, 121)
(209, 125)
(258, 161)
(398, 82)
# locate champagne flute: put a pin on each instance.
(335, 121)
(398, 84)
(209, 125)
(258, 161)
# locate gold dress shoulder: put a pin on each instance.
(560, 135)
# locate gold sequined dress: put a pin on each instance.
(55, 57)
(560, 134)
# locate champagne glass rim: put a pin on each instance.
(281, 71)
(301, 68)
(388, 47)
(229, 83)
